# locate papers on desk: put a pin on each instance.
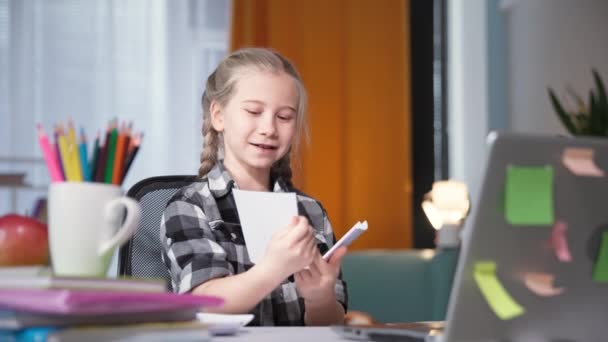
(83, 302)
(263, 213)
(173, 331)
(41, 277)
(57, 308)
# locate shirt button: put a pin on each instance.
(233, 236)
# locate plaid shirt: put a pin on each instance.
(202, 240)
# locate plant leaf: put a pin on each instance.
(594, 116)
(602, 101)
(601, 91)
(562, 114)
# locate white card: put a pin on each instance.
(262, 213)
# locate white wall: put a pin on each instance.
(467, 91)
(553, 43)
(548, 43)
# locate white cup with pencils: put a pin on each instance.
(88, 215)
(87, 222)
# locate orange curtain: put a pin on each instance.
(354, 58)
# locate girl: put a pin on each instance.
(253, 113)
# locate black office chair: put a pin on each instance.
(141, 256)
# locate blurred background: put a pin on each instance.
(402, 92)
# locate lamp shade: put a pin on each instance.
(446, 203)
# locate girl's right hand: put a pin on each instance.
(292, 248)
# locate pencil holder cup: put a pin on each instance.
(87, 222)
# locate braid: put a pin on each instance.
(211, 139)
(282, 169)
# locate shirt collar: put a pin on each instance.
(221, 182)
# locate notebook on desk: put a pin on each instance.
(533, 264)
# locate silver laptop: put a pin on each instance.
(533, 262)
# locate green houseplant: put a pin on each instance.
(589, 119)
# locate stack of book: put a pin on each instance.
(37, 306)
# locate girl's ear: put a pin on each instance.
(217, 116)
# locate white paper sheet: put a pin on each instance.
(262, 213)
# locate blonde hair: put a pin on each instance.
(220, 87)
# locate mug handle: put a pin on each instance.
(127, 228)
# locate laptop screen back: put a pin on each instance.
(531, 261)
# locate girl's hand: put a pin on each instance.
(317, 284)
(292, 248)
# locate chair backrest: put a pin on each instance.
(141, 255)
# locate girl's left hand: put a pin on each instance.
(317, 283)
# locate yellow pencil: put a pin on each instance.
(74, 158)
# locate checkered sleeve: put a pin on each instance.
(190, 249)
(340, 288)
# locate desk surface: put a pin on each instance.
(283, 334)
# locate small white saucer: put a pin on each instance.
(224, 324)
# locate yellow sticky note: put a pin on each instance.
(495, 294)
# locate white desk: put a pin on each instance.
(282, 334)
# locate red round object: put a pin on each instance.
(23, 241)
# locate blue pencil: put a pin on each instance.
(84, 160)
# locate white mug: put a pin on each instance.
(86, 225)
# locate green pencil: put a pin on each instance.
(111, 154)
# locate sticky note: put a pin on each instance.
(542, 284)
(580, 162)
(494, 293)
(559, 242)
(600, 269)
(529, 195)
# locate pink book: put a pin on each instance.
(100, 302)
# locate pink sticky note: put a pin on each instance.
(559, 242)
(542, 284)
(580, 162)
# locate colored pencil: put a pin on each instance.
(58, 152)
(73, 158)
(111, 154)
(65, 157)
(49, 156)
(120, 155)
(136, 143)
(94, 159)
(103, 156)
(84, 159)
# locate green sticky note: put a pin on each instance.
(600, 269)
(529, 195)
(495, 294)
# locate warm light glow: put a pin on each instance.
(447, 203)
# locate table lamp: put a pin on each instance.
(446, 206)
